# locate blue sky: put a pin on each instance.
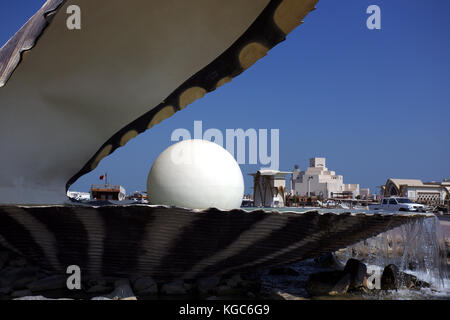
(375, 103)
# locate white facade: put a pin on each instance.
(317, 180)
(79, 195)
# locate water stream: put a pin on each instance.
(417, 248)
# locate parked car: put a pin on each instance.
(399, 204)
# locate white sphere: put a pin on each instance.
(196, 174)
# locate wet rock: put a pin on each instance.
(145, 286)
(390, 278)
(10, 275)
(48, 283)
(33, 298)
(188, 286)
(206, 285)
(342, 286)
(224, 290)
(327, 260)
(357, 271)
(176, 287)
(98, 285)
(22, 282)
(322, 283)
(122, 290)
(18, 262)
(412, 265)
(39, 298)
(287, 271)
(100, 298)
(234, 281)
(393, 279)
(5, 290)
(21, 293)
(98, 288)
(280, 295)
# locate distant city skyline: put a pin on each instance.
(374, 103)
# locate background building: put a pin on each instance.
(269, 188)
(364, 193)
(108, 192)
(317, 180)
(79, 196)
(433, 193)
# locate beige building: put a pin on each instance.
(364, 193)
(269, 188)
(317, 180)
(437, 193)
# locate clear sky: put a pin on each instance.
(375, 103)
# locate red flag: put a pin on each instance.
(101, 177)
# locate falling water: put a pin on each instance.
(417, 247)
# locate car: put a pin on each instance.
(399, 204)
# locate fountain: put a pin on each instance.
(170, 54)
(417, 247)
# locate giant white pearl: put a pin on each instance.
(196, 174)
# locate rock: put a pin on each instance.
(18, 262)
(99, 289)
(188, 286)
(5, 290)
(22, 282)
(342, 286)
(327, 260)
(145, 286)
(234, 281)
(286, 271)
(99, 285)
(322, 283)
(39, 298)
(358, 273)
(390, 279)
(21, 293)
(100, 298)
(122, 290)
(393, 279)
(206, 285)
(174, 288)
(279, 295)
(48, 283)
(4, 256)
(10, 275)
(224, 290)
(33, 298)
(412, 265)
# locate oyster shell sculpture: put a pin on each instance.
(70, 97)
(171, 243)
